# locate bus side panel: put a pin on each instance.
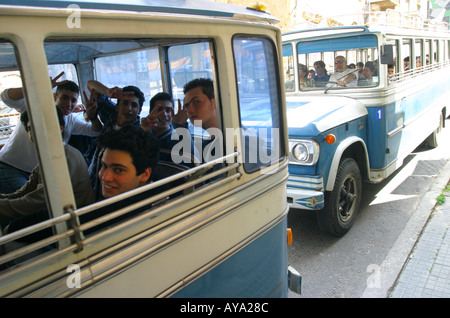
(376, 136)
(398, 128)
(234, 278)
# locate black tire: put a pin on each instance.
(342, 204)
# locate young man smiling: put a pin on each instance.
(127, 160)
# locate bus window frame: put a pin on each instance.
(274, 54)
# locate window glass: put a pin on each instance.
(418, 48)
(259, 101)
(139, 68)
(288, 64)
(317, 68)
(187, 62)
(406, 55)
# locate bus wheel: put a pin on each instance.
(342, 204)
(433, 140)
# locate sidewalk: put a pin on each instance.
(426, 273)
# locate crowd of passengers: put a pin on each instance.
(345, 75)
(115, 153)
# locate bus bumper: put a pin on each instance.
(294, 280)
(305, 199)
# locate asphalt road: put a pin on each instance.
(366, 261)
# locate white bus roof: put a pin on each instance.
(190, 7)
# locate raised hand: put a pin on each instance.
(55, 80)
(118, 93)
(91, 106)
(180, 118)
(151, 121)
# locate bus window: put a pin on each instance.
(406, 55)
(418, 50)
(356, 52)
(186, 62)
(139, 68)
(256, 71)
(428, 52)
(393, 68)
(288, 71)
(435, 51)
(70, 73)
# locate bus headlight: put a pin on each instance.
(303, 152)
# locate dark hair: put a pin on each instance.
(142, 146)
(70, 86)
(370, 66)
(137, 92)
(205, 83)
(319, 63)
(24, 119)
(160, 96)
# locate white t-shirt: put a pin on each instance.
(19, 151)
(340, 76)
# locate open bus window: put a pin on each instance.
(259, 101)
(139, 66)
(350, 62)
(153, 68)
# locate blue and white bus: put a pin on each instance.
(218, 232)
(359, 123)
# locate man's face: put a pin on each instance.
(164, 114)
(200, 107)
(319, 70)
(118, 174)
(66, 101)
(340, 63)
(367, 72)
(127, 111)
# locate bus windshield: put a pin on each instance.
(337, 63)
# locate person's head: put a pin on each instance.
(418, 63)
(66, 96)
(128, 110)
(368, 70)
(319, 67)
(164, 102)
(25, 120)
(200, 102)
(303, 71)
(360, 66)
(129, 155)
(406, 64)
(390, 69)
(340, 63)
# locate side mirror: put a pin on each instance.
(387, 54)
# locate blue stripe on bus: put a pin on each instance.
(267, 279)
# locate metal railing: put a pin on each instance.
(195, 176)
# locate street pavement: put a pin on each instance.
(418, 265)
(426, 272)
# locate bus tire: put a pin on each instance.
(342, 203)
(433, 140)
